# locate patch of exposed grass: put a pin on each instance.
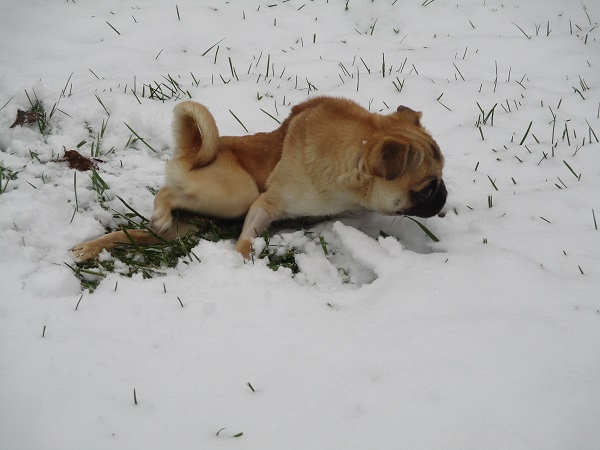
(153, 260)
(6, 176)
(38, 112)
(279, 256)
(148, 260)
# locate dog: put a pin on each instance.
(329, 156)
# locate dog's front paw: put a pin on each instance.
(85, 251)
(244, 247)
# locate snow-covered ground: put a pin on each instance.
(489, 338)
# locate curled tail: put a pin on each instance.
(196, 135)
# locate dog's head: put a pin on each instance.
(406, 164)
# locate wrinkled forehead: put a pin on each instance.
(420, 139)
(434, 150)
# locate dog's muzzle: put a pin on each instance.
(429, 201)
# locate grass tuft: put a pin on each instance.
(400, 84)
(278, 256)
(6, 176)
(38, 111)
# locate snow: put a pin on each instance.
(489, 338)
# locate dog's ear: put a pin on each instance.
(409, 115)
(393, 158)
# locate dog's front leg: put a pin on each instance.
(256, 222)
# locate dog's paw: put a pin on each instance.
(162, 220)
(86, 251)
(244, 247)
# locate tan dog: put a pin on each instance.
(329, 156)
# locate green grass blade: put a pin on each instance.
(426, 230)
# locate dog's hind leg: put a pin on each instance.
(222, 189)
(91, 249)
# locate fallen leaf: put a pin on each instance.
(79, 162)
(24, 117)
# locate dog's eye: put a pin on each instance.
(426, 193)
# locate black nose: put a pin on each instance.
(428, 202)
(442, 189)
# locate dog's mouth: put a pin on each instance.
(429, 201)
